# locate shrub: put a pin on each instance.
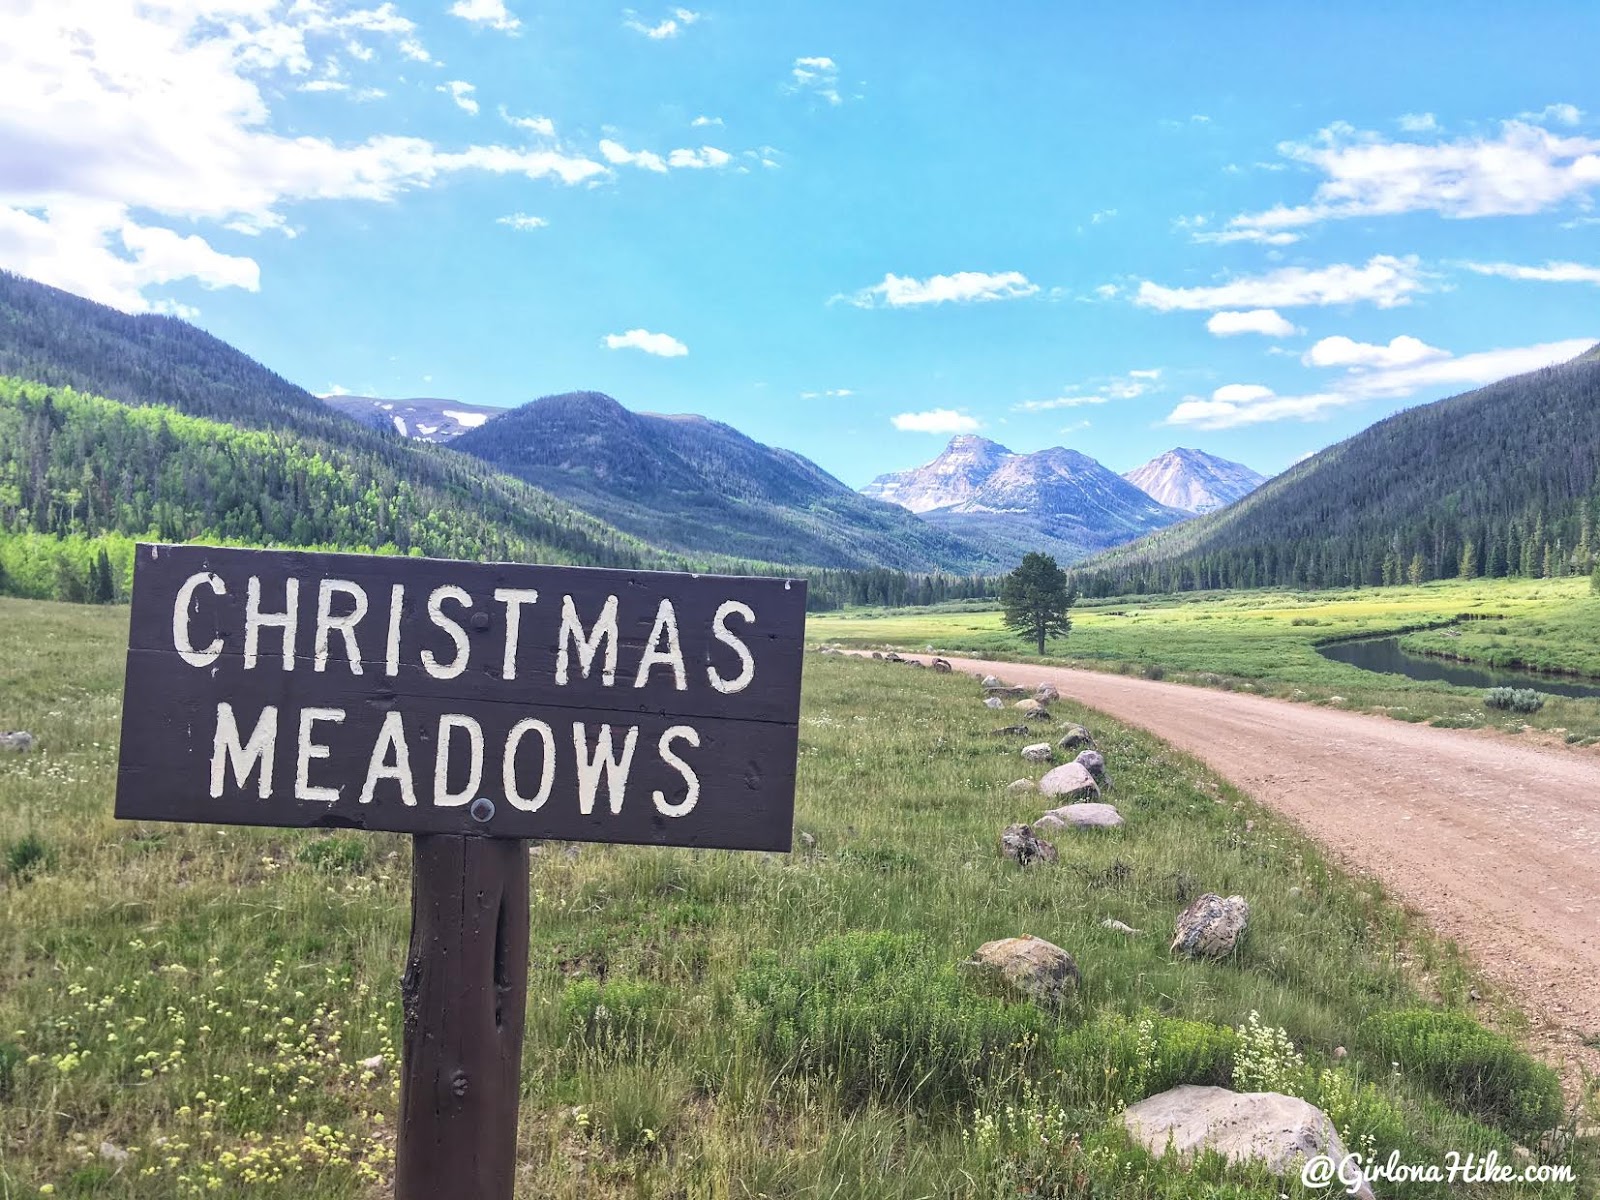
(1522, 700)
(26, 855)
(1469, 1066)
(615, 1014)
(1266, 1060)
(1153, 671)
(1113, 1061)
(879, 1014)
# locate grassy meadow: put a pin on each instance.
(191, 1010)
(1265, 641)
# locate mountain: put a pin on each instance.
(950, 479)
(425, 419)
(87, 461)
(698, 486)
(1057, 500)
(1503, 480)
(1194, 481)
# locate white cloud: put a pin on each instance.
(461, 92)
(522, 222)
(1418, 122)
(936, 420)
(828, 394)
(1251, 404)
(1551, 272)
(491, 14)
(95, 250)
(818, 75)
(1401, 351)
(702, 122)
(1561, 114)
(1106, 291)
(703, 158)
(1234, 405)
(1266, 321)
(1122, 387)
(162, 110)
(1259, 237)
(1066, 401)
(1467, 371)
(335, 389)
(706, 156)
(662, 345)
(667, 27)
(902, 291)
(543, 126)
(619, 155)
(1383, 280)
(1104, 215)
(1526, 169)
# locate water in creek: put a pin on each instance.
(1385, 656)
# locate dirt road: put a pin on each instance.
(1495, 842)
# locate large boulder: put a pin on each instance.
(18, 740)
(1033, 710)
(1039, 752)
(1081, 816)
(1030, 966)
(994, 702)
(1210, 927)
(1281, 1131)
(1022, 785)
(1071, 781)
(989, 681)
(1046, 693)
(1077, 738)
(942, 666)
(1024, 847)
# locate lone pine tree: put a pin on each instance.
(1037, 599)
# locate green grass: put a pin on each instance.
(701, 1024)
(1265, 641)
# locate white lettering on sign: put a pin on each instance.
(443, 797)
(397, 608)
(311, 749)
(666, 627)
(457, 634)
(460, 753)
(547, 759)
(257, 752)
(685, 806)
(391, 741)
(180, 620)
(603, 761)
(255, 621)
(513, 599)
(720, 631)
(605, 629)
(344, 625)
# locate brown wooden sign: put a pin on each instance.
(421, 696)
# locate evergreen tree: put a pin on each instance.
(1417, 572)
(1469, 562)
(1037, 599)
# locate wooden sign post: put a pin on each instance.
(475, 706)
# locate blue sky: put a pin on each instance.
(847, 229)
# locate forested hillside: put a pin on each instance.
(1500, 481)
(76, 467)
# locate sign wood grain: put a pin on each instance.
(422, 696)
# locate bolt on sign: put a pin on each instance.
(371, 692)
(475, 706)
